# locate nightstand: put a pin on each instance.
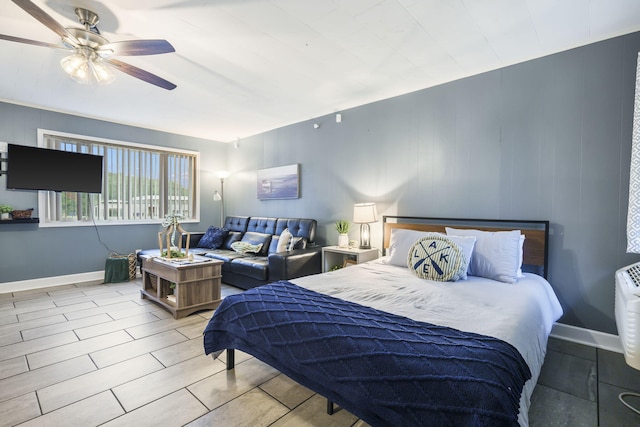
(335, 255)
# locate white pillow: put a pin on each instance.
(284, 240)
(402, 241)
(520, 257)
(496, 255)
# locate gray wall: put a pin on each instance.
(29, 252)
(546, 139)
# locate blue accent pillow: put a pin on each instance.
(213, 238)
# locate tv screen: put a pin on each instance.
(34, 168)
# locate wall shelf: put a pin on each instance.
(20, 221)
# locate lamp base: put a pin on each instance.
(365, 232)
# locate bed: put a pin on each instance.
(395, 348)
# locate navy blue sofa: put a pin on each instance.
(249, 270)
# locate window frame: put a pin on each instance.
(43, 194)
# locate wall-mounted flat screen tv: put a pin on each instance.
(34, 168)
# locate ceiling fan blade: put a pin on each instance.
(138, 47)
(42, 16)
(141, 74)
(33, 42)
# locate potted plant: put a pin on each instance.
(5, 210)
(342, 227)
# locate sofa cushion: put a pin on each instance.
(273, 246)
(197, 251)
(256, 267)
(213, 238)
(255, 238)
(223, 255)
(298, 227)
(236, 223)
(233, 236)
(262, 225)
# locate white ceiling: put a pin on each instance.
(246, 66)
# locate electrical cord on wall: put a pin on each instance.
(95, 226)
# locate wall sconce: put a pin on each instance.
(363, 214)
(219, 196)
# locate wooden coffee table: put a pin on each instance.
(197, 284)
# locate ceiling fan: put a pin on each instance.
(91, 60)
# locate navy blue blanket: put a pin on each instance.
(388, 370)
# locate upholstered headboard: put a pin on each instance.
(535, 250)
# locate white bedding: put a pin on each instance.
(521, 314)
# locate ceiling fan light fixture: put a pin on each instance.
(76, 66)
(87, 68)
(102, 72)
(91, 61)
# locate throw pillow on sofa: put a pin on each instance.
(284, 241)
(245, 247)
(256, 238)
(297, 243)
(213, 238)
(234, 236)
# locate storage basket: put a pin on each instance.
(25, 214)
(153, 281)
(120, 268)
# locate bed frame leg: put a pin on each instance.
(231, 359)
(329, 407)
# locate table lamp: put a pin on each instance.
(363, 214)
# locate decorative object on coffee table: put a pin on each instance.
(172, 228)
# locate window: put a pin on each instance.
(141, 183)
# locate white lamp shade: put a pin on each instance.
(223, 174)
(364, 213)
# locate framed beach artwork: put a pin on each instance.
(282, 182)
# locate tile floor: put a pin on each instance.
(579, 386)
(93, 354)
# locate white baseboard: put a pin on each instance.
(587, 337)
(45, 282)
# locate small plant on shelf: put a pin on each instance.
(342, 226)
(5, 210)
